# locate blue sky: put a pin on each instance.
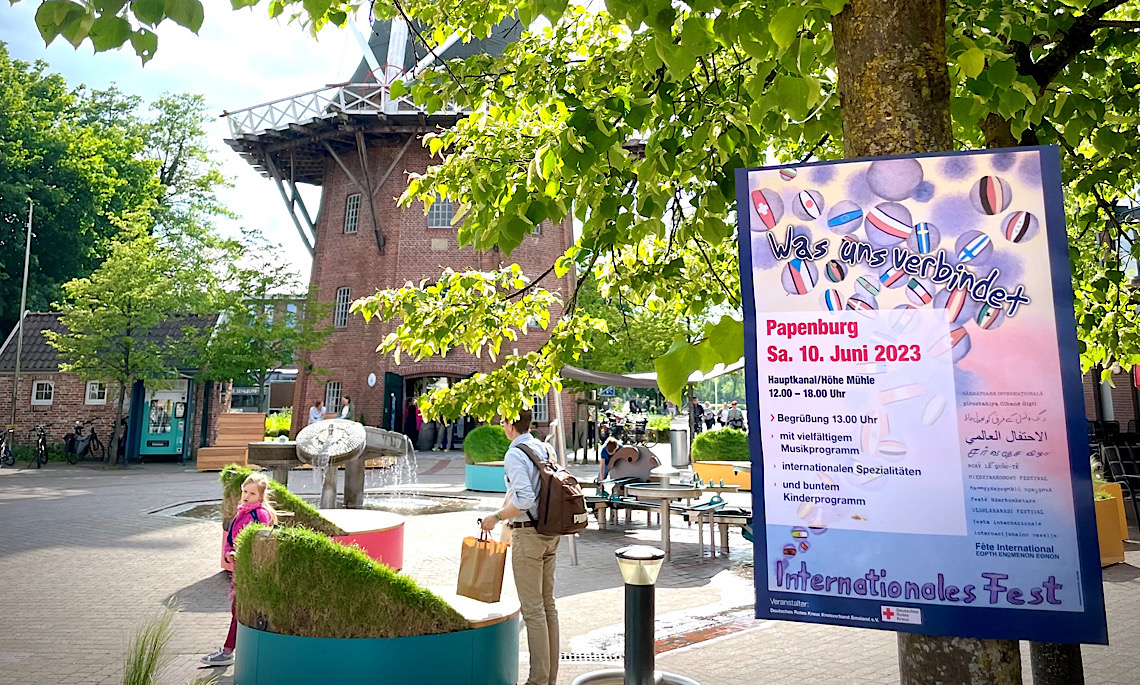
(239, 59)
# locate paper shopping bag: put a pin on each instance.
(482, 562)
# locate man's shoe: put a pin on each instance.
(219, 658)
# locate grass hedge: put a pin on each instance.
(294, 581)
(722, 444)
(659, 422)
(304, 514)
(485, 443)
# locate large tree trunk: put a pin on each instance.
(894, 88)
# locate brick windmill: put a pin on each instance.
(358, 144)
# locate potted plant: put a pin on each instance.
(483, 451)
(715, 453)
(1109, 515)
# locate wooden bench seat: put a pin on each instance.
(235, 432)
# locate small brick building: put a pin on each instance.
(56, 398)
(359, 146)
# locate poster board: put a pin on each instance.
(914, 384)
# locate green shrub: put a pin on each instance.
(658, 422)
(485, 443)
(278, 424)
(723, 444)
(302, 583)
(304, 515)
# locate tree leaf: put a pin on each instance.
(674, 368)
(52, 15)
(149, 11)
(786, 24)
(972, 62)
(1108, 142)
(145, 43)
(186, 13)
(109, 32)
(679, 61)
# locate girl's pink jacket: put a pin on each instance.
(255, 512)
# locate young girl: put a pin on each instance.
(254, 507)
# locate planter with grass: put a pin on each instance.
(716, 452)
(483, 452)
(311, 611)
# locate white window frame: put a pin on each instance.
(100, 389)
(540, 411)
(43, 401)
(537, 230)
(332, 396)
(440, 213)
(343, 302)
(352, 213)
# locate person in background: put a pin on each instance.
(316, 412)
(735, 417)
(723, 418)
(710, 417)
(610, 446)
(443, 436)
(698, 416)
(347, 411)
(412, 420)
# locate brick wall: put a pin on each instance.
(412, 252)
(1123, 405)
(68, 405)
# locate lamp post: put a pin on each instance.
(20, 322)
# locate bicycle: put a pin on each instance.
(641, 435)
(41, 455)
(6, 442)
(79, 445)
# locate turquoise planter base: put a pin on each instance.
(482, 478)
(480, 656)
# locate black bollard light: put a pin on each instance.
(639, 565)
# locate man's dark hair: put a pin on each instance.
(522, 423)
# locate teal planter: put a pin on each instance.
(486, 477)
(481, 656)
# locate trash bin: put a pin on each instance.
(678, 446)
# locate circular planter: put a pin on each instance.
(378, 534)
(489, 476)
(486, 654)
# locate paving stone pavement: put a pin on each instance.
(84, 562)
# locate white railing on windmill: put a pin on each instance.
(372, 97)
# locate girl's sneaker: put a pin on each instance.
(219, 658)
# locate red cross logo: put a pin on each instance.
(888, 614)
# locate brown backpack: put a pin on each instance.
(561, 504)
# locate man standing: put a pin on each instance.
(698, 416)
(533, 556)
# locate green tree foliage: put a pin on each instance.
(83, 179)
(636, 336)
(634, 118)
(268, 319)
(111, 316)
